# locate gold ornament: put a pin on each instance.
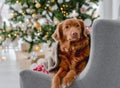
(34, 15)
(52, 0)
(47, 33)
(37, 48)
(39, 29)
(38, 5)
(37, 25)
(3, 30)
(50, 8)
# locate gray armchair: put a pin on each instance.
(103, 68)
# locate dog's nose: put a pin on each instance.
(75, 34)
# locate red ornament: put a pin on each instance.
(41, 68)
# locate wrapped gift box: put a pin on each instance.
(24, 60)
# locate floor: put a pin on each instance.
(9, 70)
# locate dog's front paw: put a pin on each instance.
(67, 81)
(55, 82)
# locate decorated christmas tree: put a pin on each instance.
(34, 21)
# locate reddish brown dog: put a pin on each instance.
(74, 48)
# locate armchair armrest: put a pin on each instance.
(32, 79)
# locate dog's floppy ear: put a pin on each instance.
(57, 35)
(84, 30)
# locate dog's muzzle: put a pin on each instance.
(75, 35)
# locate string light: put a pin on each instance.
(1, 38)
(61, 8)
(9, 35)
(15, 34)
(17, 1)
(13, 14)
(66, 5)
(45, 7)
(20, 22)
(66, 13)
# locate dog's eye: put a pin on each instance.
(77, 25)
(66, 27)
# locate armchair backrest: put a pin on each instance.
(103, 69)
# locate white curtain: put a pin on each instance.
(1, 6)
(109, 9)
